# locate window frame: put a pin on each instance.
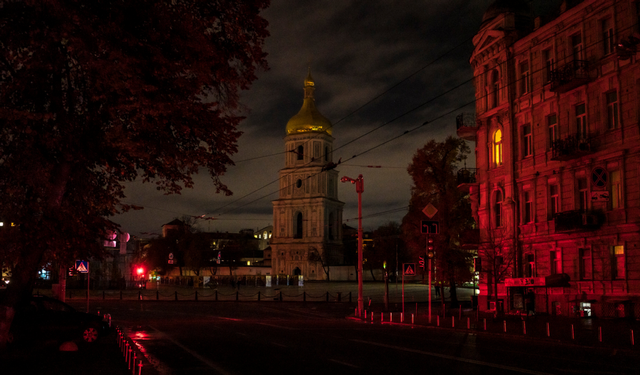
(527, 207)
(496, 148)
(613, 110)
(618, 262)
(497, 208)
(554, 200)
(606, 31)
(555, 262)
(586, 263)
(524, 78)
(552, 129)
(583, 194)
(615, 189)
(549, 64)
(577, 49)
(527, 141)
(580, 119)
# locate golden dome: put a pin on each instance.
(308, 118)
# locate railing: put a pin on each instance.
(577, 220)
(569, 76)
(571, 147)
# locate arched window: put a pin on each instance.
(300, 152)
(497, 208)
(497, 148)
(298, 226)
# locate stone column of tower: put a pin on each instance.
(307, 215)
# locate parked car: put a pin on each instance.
(44, 318)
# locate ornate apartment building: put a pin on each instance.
(307, 216)
(556, 193)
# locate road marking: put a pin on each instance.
(454, 358)
(207, 362)
(343, 363)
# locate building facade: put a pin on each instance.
(556, 194)
(307, 215)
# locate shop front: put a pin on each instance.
(530, 295)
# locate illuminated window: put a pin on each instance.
(616, 196)
(497, 148)
(581, 121)
(552, 123)
(618, 269)
(585, 264)
(555, 262)
(527, 141)
(612, 109)
(497, 209)
(607, 36)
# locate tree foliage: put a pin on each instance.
(388, 248)
(433, 170)
(97, 93)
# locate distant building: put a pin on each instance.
(307, 215)
(556, 193)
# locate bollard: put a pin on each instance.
(381, 317)
(390, 317)
(524, 327)
(549, 329)
(109, 320)
(438, 320)
(140, 368)
(401, 317)
(126, 352)
(453, 322)
(632, 340)
(129, 359)
(485, 323)
(356, 312)
(365, 314)
(412, 319)
(372, 317)
(505, 326)
(600, 333)
(468, 323)
(134, 364)
(573, 333)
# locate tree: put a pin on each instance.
(388, 247)
(433, 170)
(97, 93)
(498, 260)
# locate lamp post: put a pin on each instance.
(359, 182)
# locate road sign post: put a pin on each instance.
(430, 227)
(82, 266)
(408, 269)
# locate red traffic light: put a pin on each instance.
(140, 270)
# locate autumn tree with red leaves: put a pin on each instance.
(97, 93)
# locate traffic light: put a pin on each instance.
(430, 247)
(477, 265)
(72, 271)
(421, 261)
(140, 272)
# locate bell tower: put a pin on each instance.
(307, 215)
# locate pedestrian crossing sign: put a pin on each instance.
(82, 266)
(409, 269)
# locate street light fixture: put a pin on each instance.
(359, 182)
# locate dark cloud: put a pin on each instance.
(356, 50)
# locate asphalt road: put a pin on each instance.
(316, 338)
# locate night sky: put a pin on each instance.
(381, 69)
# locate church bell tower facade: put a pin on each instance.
(307, 215)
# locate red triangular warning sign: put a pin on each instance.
(82, 268)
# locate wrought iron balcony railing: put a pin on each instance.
(569, 76)
(571, 147)
(578, 220)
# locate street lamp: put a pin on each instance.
(359, 182)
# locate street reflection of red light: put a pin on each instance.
(141, 336)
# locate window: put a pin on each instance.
(497, 148)
(618, 269)
(555, 262)
(612, 109)
(552, 123)
(527, 146)
(581, 121)
(527, 214)
(524, 78)
(554, 201)
(607, 36)
(583, 194)
(497, 209)
(577, 50)
(585, 264)
(493, 89)
(326, 153)
(530, 266)
(616, 196)
(298, 226)
(547, 56)
(300, 152)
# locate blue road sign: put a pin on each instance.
(82, 266)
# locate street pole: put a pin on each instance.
(359, 182)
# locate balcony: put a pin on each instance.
(571, 147)
(466, 126)
(569, 76)
(577, 220)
